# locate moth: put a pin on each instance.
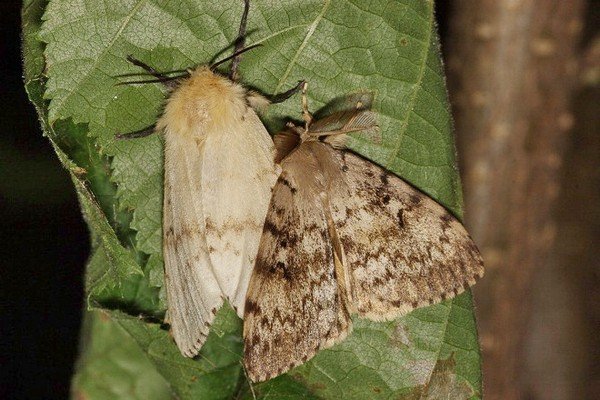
(218, 175)
(344, 236)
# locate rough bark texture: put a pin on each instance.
(512, 69)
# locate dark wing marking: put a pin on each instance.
(294, 306)
(402, 249)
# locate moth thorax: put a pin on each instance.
(204, 101)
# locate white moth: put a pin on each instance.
(219, 171)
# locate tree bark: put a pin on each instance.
(512, 70)
(562, 345)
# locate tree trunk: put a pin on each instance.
(512, 69)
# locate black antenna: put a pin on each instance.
(145, 67)
(164, 80)
(234, 55)
(281, 97)
(239, 43)
(146, 74)
(160, 76)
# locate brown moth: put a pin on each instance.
(344, 236)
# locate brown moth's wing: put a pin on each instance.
(346, 122)
(402, 249)
(294, 306)
(336, 126)
(285, 142)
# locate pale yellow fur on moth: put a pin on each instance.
(219, 171)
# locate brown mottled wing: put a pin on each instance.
(402, 249)
(294, 306)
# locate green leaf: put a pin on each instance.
(214, 375)
(112, 365)
(72, 63)
(398, 358)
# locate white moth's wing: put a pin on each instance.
(193, 293)
(403, 250)
(238, 173)
(295, 304)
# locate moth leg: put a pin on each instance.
(306, 116)
(136, 134)
(260, 101)
(239, 42)
(281, 97)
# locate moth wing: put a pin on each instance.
(403, 250)
(193, 293)
(238, 173)
(285, 142)
(295, 304)
(346, 122)
(346, 115)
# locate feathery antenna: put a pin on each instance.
(234, 55)
(239, 43)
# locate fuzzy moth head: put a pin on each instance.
(204, 100)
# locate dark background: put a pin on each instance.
(44, 241)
